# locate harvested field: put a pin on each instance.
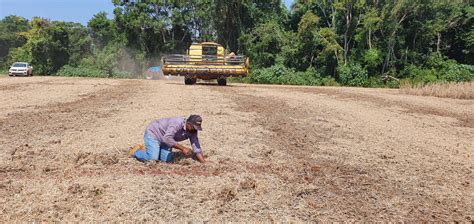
(277, 153)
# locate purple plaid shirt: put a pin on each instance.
(169, 131)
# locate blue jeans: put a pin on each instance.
(153, 148)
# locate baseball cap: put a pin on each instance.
(196, 121)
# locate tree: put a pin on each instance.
(308, 35)
(102, 29)
(80, 43)
(337, 38)
(11, 28)
(233, 18)
(264, 43)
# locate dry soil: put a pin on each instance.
(276, 153)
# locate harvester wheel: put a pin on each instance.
(222, 82)
(189, 81)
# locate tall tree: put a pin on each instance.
(11, 28)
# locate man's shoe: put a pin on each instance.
(132, 151)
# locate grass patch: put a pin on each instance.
(3, 71)
(91, 72)
(455, 90)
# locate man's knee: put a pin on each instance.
(154, 156)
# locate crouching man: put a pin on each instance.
(164, 134)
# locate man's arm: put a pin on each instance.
(186, 151)
(170, 142)
(197, 148)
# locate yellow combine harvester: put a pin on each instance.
(206, 61)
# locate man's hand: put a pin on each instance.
(186, 151)
(200, 158)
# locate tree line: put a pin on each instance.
(315, 42)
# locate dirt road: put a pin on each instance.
(277, 153)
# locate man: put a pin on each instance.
(164, 134)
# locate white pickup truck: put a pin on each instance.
(20, 68)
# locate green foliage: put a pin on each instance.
(18, 54)
(80, 43)
(122, 74)
(353, 75)
(449, 70)
(233, 18)
(458, 73)
(307, 27)
(101, 29)
(3, 71)
(439, 68)
(372, 57)
(329, 42)
(418, 74)
(279, 74)
(266, 75)
(309, 77)
(104, 58)
(11, 29)
(81, 72)
(264, 43)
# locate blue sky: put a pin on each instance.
(68, 10)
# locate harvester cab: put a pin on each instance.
(206, 61)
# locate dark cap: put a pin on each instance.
(196, 121)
